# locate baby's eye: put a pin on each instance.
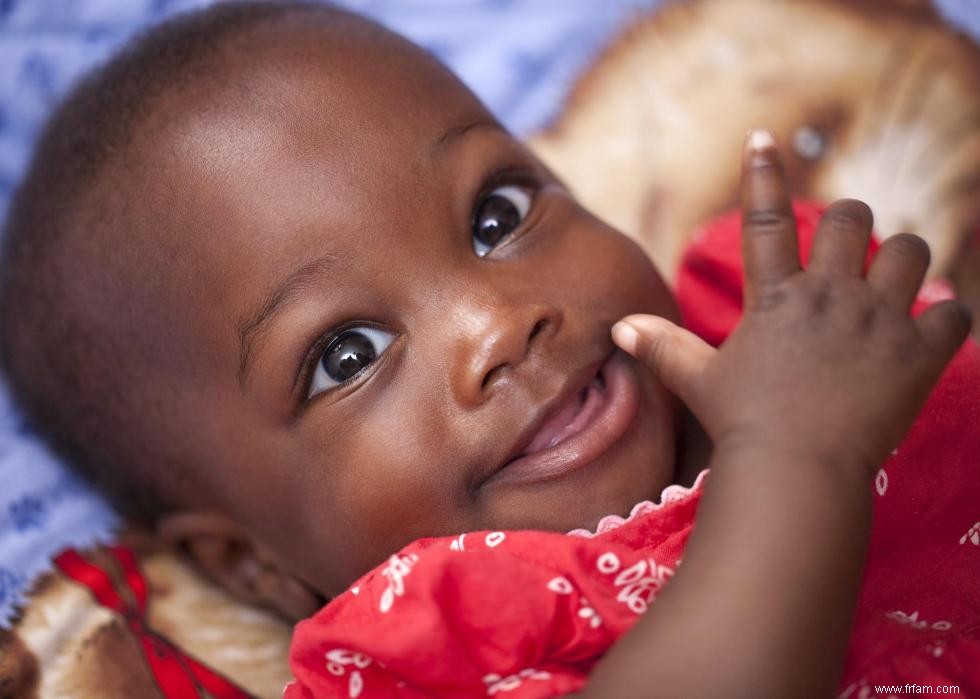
(347, 355)
(498, 215)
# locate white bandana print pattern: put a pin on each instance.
(635, 585)
(639, 583)
(339, 660)
(881, 478)
(916, 623)
(492, 540)
(881, 482)
(396, 571)
(857, 690)
(495, 683)
(562, 586)
(973, 535)
(590, 615)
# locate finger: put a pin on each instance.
(769, 247)
(898, 269)
(677, 357)
(945, 326)
(842, 238)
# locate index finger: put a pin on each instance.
(769, 248)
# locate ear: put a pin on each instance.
(236, 561)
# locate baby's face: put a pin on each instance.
(401, 319)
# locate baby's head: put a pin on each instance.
(282, 286)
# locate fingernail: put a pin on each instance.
(759, 143)
(760, 139)
(625, 336)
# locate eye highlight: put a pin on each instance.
(498, 215)
(348, 354)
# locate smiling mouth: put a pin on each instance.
(579, 430)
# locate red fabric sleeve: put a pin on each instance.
(522, 614)
(527, 614)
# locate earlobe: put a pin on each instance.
(232, 558)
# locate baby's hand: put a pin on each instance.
(820, 380)
(826, 363)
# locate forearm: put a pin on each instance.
(762, 603)
(824, 374)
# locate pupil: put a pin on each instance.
(496, 218)
(348, 355)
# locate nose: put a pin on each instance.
(496, 336)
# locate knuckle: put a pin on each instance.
(768, 297)
(821, 296)
(867, 317)
(958, 316)
(849, 302)
(946, 325)
(766, 221)
(860, 312)
(658, 351)
(906, 345)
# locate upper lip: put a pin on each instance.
(573, 384)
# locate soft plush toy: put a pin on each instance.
(872, 99)
(86, 634)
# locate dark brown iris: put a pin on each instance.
(496, 218)
(348, 355)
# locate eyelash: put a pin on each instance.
(492, 179)
(312, 359)
(519, 175)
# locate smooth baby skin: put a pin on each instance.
(365, 314)
(821, 379)
(323, 178)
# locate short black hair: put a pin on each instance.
(68, 378)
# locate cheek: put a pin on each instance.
(388, 474)
(611, 276)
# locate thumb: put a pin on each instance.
(677, 357)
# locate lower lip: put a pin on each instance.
(620, 399)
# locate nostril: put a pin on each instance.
(538, 327)
(513, 356)
(489, 377)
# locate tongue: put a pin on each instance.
(560, 425)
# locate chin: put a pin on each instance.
(637, 469)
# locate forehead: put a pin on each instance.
(329, 94)
(291, 127)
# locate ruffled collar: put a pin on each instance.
(670, 494)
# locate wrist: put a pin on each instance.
(763, 453)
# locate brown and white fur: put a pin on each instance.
(872, 99)
(66, 646)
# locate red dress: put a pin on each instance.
(528, 614)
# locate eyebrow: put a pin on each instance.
(254, 325)
(455, 133)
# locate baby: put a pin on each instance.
(282, 286)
